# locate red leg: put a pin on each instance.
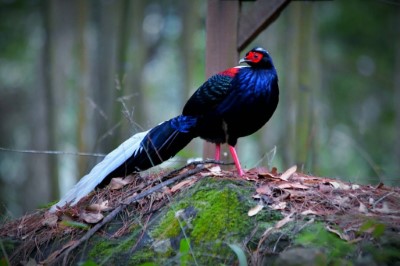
(217, 151)
(236, 160)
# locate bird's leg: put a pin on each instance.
(217, 151)
(236, 160)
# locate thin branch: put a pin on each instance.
(382, 198)
(53, 152)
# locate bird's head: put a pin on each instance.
(258, 57)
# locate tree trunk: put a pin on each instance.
(49, 97)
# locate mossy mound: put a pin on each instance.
(203, 219)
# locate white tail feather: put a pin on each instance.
(100, 171)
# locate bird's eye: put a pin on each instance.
(256, 56)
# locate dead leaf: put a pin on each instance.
(118, 183)
(265, 190)
(342, 201)
(307, 212)
(266, 174)
(280, 194)
(371, 201)
(98, 207)
(91, 217)
(256, 209)
(50, 219)
(216, 170)
(338, 185)
(325, 188)
(362, 208)
(342, 235)
(292, 185)
(130, 178)
(257, 170)
(288, 173)
(279, 206)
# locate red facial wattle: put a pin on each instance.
(253, 57)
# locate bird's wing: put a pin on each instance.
(206, 98)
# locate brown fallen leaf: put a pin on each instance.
(118, 183)
(267, 175)
(362, 208)
(257, 170)
(307, 212)
(91, 217)
(292, 185)
(265, 190)
(50, 219)
(216, 170)
(288, 173)
(279, 206)
(256, 209)
(339, 185)
(98, 207)
(342, 235)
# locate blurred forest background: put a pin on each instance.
(82, 76)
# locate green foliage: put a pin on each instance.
(88, 263)
(75, 225)
(47, 205)
(184, 249)
(239, 253)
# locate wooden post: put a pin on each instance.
(221, 43)
(229, 32)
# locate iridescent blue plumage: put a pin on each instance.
(231, 104)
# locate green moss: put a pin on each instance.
(317, 236)
(212, 214)
(105, 249)
(143, 258)
(220, 214)
(169, 226)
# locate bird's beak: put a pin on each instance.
(243, 60)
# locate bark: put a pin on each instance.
(49, 97)
(82, 129)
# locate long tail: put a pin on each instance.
(139, 152)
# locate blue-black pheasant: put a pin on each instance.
(231, 104)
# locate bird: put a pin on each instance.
(231, 104)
